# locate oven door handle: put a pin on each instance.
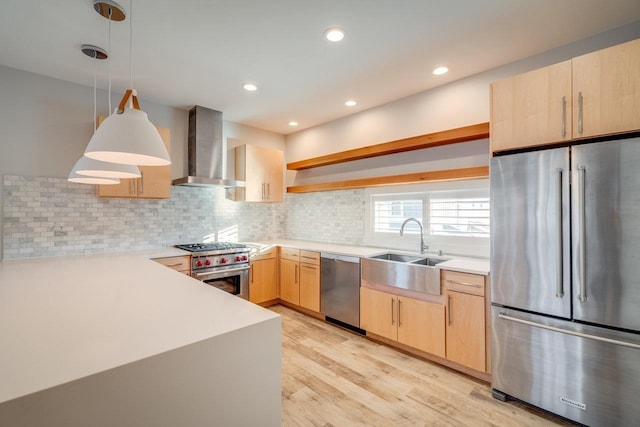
(222, 273)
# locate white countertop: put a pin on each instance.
(465, 265)
(65, 318)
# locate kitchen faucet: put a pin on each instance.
(422, 245)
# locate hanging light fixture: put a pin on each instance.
(86, 169)
(127, 137)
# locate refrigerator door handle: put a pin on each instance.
(559, 282)
(582, 296)
(504, 316)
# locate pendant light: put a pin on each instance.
(127, 137)
(90, 171)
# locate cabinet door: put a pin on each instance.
(289, 284)
(310, 286)
(155, 182)
(378, 313)
(274, 177)
(254, 174)
(263, 281)
(466, 330)
(606, 91)
(532, 109)
(421, 325)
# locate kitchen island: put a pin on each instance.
(117, 339)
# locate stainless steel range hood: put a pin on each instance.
(206, 151)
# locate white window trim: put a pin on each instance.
(455, 245)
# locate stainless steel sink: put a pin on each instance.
(390, 256)
(431, 262)
(411, 272)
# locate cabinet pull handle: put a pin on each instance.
(268, 191)
(132, 188)
(393, 320)
(252, 274)
(559, 284)
(449, 309)
(580, 112)
(296, 274)
(310, 267)
(173, 265)
(456, 282)
(141, 182)
(399, 313)
(564, 116)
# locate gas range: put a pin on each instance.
(222, 265)
(216, 255)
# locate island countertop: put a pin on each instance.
(66, 318)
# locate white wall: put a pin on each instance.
(461, 103)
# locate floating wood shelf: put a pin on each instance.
(451, 136)
(477, 172)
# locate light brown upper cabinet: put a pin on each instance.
(532, 108)
(592, 95)
(606, 91)
(155, 182)
(262, 170)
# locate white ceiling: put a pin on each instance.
(200, 52)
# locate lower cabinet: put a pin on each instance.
(466, 320)
(300, 278)
(263, 278)
(415, 323)
(181, 264)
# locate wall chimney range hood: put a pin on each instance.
(206, 151)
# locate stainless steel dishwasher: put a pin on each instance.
(340, 289)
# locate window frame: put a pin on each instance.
(460, 245)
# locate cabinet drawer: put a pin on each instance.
(310, 257)
(266, 253)
(178, 263)
(290, 253)
(467, 283)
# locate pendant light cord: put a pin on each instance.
(131, 45)
(109, 58)
(95, 90)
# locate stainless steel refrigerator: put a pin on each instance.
(565, 287)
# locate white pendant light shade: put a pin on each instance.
(128, 138)
(83, 179)
(92, 167)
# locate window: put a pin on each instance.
(389, 214)
(455, 217)
(459, 216)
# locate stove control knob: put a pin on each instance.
(244, 257)
(223, 261)
(199, 263)
(207, 262)
(238, 259)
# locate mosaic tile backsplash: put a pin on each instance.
(52, 217)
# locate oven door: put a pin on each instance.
(232, 279)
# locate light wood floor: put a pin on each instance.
(332, 377)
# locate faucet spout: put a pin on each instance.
(422, 245)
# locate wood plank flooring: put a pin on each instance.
(332, 377)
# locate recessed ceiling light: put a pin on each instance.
(440, 70)
(350, 103)
(250, 87)
(334, 34)
(292, 123)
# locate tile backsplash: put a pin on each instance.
(51, 217)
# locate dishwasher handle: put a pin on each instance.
(340, 258)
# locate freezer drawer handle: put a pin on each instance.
(471, 285)
(559, 284)
(564, 331)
